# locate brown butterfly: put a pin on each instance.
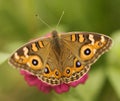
(61, 58)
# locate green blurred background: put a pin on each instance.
(18, 24)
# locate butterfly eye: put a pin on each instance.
(67, 72)
(46, 70)
(78, 64)
(34, 62)
(87, 52)
(57, 73)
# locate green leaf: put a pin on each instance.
(114, 53)
(113, 70)
(114, 77)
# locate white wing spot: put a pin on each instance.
(102, 39)
(91, 39)
(16, 56)
(25, 49)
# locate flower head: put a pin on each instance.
(34, 81)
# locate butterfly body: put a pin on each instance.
(61, 58)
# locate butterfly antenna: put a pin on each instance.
(60, 19)
(38, 17)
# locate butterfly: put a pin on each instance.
(61, 57)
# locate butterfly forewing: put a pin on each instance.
(88, 46)
(31, 56)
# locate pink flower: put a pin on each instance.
(44, 87)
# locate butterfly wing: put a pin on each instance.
(31, 57)
(64, 62)
(84, 48)
(38, 58)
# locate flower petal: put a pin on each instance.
(44, 87)
(61, 88)
(34, 81)
(80, 81)
(31, 80)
